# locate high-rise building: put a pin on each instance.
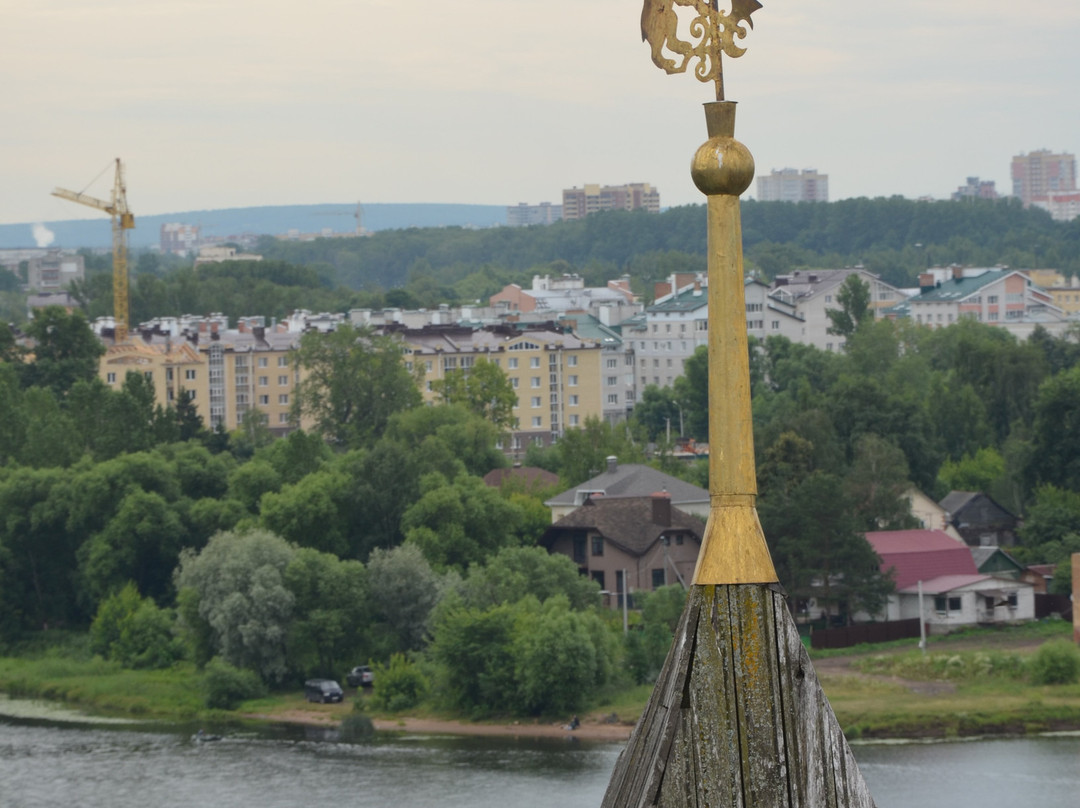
(792, 185)
(524, 214)
(580, 202)
(179, 239)
(976, 189)
(1041, 174)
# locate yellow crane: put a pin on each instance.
(122, 221)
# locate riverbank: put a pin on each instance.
(965, 685)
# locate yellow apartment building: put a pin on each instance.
(555, 374)
(230, 371)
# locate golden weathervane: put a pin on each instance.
(713, 30)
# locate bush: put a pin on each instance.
(1056, 663)
(398, 686)
(224, 686)
(134, 631)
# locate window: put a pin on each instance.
(572, 381)
(597, 545)
(579, 549)
(944, 604)
(168, 374)
(573, 420)
(656, 363)
(283, 361)
(534, 362)
(658, 578)
(573, 400)
(828, 298)
(110, 378)
(598, 576)
(668, 328)
(514, 382)
(534, 381)
(1013, 600)
(537, 422)
(612, 363)
(264, 400)
(571, 361)
(536, 401)
(449, 363)
(512, 363)
(283, 398)
(264, 381)
(991, 299)
(612, 381)
(613, 398)
(282, 381)
(427, 366)
(775, 325)
(262, 361)
(283, 418)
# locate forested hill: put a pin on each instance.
(894, 237)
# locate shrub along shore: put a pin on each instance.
(1012, 681)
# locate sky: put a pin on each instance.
(234, 103)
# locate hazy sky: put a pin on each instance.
(229, 103)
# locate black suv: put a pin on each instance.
(323, 691)
(360, 676)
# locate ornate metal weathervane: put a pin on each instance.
(737, 717)
(714, 30)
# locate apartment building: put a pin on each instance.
(556, 375)
(524, 214)
(55, 270)
(581, 202)
(1042, 173)
(230, 372)
(670, 330)
(550, 297)
(792, 185)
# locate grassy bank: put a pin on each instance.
(975, 683)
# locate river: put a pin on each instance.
(46, 765)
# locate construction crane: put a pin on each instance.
(122, 221)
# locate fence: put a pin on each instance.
(1046, 605)
(865, 632)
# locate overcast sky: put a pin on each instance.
(230, 103)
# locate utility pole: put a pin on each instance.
(737, 717)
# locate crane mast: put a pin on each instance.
(122, 221)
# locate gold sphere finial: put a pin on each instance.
(722, 165)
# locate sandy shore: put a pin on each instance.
(585, 731)
(592, 730)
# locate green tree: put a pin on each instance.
(403, 590)
(854, 299)
(461, 523)
(876, 484)
(330, 609)
(133, 631)
(483, 389)
(241, 597)
(515, 572)
(352, 381)
(65, 350)
(582, 453)
(1056, 458)
(141, 543)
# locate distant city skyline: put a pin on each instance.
(241, 104)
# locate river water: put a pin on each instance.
(46, 765)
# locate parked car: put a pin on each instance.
(323, 691)
(360, 676)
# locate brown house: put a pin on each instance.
(979, 520)
(642, 539)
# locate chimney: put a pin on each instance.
(661, 509)
(957, 272)
(241, 325)
(612, 464)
